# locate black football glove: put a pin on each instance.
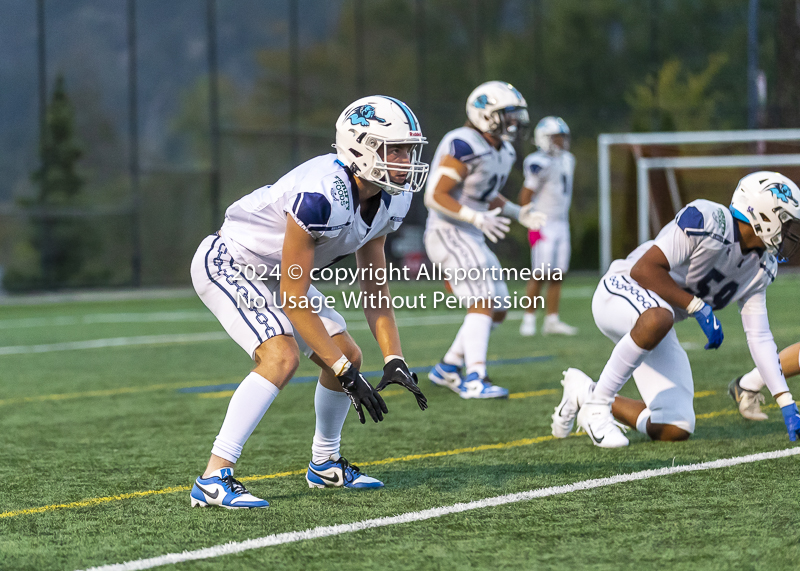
(362, 395)
(396, 371)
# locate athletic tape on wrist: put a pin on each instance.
(389, 358)
(511, 210)
(695, 305)
(341, 366)
(466, 214)
(784, 400)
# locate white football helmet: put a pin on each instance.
(365, 128)
(497, 108)
(769, 202)
(544, 132)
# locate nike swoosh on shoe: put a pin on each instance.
(334, 480)
(207, 493)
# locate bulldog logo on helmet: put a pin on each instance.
(362, 115)
(481, 102)
(783, 192)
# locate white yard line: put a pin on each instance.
(115, 342)
(97, 296)
(95, 318)
(327, 531)
(420, 321)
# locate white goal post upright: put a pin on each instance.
(645, 164)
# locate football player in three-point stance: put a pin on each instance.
(706, 258)
(326, 208)
(548, 185)
(470, 168)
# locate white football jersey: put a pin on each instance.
(487, 172)
(322, 198)
(550, 177)
(705, 257)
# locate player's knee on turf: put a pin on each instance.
(277, 359)
(651, 327)
(667, 432)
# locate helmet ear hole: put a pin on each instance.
(764, 217)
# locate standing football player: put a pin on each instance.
(746, 390)
(706, 258)
(470, 168)
(548, 185)
(326, 208)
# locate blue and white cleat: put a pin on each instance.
(446, 375)
(337, 473)
(475, 387)
(221, 489)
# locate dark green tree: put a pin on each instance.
(59, 236)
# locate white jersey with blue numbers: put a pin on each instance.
(550, 178)
(322, 198)
(487, 172)
(702, 246)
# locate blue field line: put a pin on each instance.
(368, 374)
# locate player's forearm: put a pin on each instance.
(381, 320)
(656, 278)
(444, 203)
(525, 196)
(310, 327)
(763, 349)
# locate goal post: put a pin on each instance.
(645, 164)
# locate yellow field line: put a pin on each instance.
(483, 447)
(725, 412)
(533, 393)
(97, 501)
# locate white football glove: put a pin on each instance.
(492, 224)
(531, 219)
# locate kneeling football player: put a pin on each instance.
(706, 258)
(326, 208)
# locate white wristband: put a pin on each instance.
(511, 210)
(341, 366)
(388, 358)
(466, 214)
(695, 305)
(784, 400)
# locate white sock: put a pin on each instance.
(752, 381)
(641, 421)
(331, 408)
(248, 405)
(477, 328)
(455, 354)
(625, 359)
(551, 318)
(528, 318)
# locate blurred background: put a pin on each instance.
(128, 126)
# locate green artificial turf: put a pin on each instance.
(129, 437)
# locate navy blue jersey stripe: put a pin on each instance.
(233, 301)
(622, 296)
(266, 306)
